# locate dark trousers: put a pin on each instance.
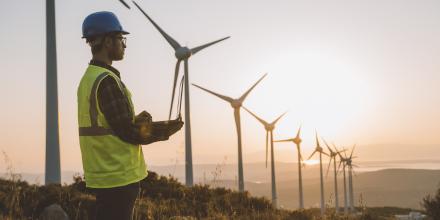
(116, 203)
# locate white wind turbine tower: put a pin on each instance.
(350, 179)
(342, 162)
(333, 154)
(319, 149)
(269, 130)
(182, 53)
(52, 166)
(236, 104)
(297, 140)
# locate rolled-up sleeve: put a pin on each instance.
(116, 109)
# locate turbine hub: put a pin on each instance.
(297, 140)
(183, 53)
(235, 103)
(270, 127)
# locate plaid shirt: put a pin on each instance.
(116, 109)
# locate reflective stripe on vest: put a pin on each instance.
(95, 130)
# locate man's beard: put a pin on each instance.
(116, 54)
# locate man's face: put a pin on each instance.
(116, 51)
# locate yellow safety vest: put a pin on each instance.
(107, 160)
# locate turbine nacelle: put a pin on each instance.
(236, 103)
(269, 127)
(297, 140)
(183, 53)
(319, 149)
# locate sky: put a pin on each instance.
(357, 72)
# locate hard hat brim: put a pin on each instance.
(122, 32)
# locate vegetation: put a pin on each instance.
(160, 198)
(432, 205)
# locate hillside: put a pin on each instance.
(388, 187)
(161, 198)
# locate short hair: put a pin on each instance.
(96, 42)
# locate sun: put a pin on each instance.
(311, 162)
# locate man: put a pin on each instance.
(110, 134)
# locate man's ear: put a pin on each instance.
(108, 42)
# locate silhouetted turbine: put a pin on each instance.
(333, 154)
(52, 166)
(343, 163)
(350, 179)
(236, 104)
(297, 140)
(319, 149)
(182, 53)
(269, 130)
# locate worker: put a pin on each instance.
(110, 133)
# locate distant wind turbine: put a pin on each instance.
(350, 179)
(182, 53)
(269, 131)
(319, 149)
(342, 162)
(236, 104)
(333, 155)
(297, 140)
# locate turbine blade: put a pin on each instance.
(335, 148)
(176, 74)
(322, 152)
(279, 117)
(328, 167)
(317, 141)
(167, 37)
(199, 48)
(339, 166)
(299, 132)
(285, 140)
(226, 98)
(267, 145)
(259, 119)
(312, 155)
(243, 97)
(124, 3)
(351, 154)
(328, 147)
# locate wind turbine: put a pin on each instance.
(333, 154)
(350, 179)
(319, 149)
(297, 140)
(182, 53)
(269, 130)
(52, 165)
(343, 163)
(236, 104)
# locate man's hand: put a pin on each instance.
(143, 117)
(144, 121)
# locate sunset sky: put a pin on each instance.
(359, 72)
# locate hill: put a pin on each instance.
(161, 198)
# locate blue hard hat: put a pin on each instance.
(99, 23)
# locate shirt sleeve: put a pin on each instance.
(116, 109)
